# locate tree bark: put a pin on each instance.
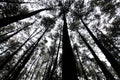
(8, 37)
(16, 51)
(83, 70)
(69, 70)
(56, 59)
(107, 74)
(9, 20)
(26, 59)
(107, 54)
(17, 2)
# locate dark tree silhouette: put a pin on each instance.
(17, 2)
(83, 70)
(8, 20)
(107, 74)
(8, 37)
(16, 51)
(108, 55)
(69, 71)
(55, 61)
(26, 59)
(109, 44)
(39, 61)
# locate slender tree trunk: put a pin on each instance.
(46, 70)
(30, 69)
(83, 70)
(98, 78)
(107, 74)
(55, 62)
(4, 34)
(17, 2)
(107, 54)
(16, 51)
(38, 72)
(8, 37)
(35, 69)
(4, 51)
(10, 73)
(110, 44)
(13, 74)
(109, 40)
(69, 70)
(26, 59)
(9, 20)
(48, 73)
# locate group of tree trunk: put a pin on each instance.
(107, 54)
(69, 59)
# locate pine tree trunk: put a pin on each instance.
(16, 2)
(69, 71)
(9, 20)
(107, 54)
(10, 73)
(83, 70)
(110, 46)
(38, 72)
(33, 73)
(16, 51)
(107, 74)
(30, 69)
(98, 78)
(26, 57)
(56, 59)
(8, 37)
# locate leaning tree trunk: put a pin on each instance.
(46, 70)
(8, 37)
(107, 74)
(16, 73)
(107, 54)
(83, 70)
(38, 72)
(31, 66)
(56, 60)
(10, 73)
(109, 44)
(15, 52)
(17, 2)
(8, 20)
(69, 71)
(97, 76)
(112, 43)
(34, 71)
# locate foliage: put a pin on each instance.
(34, 47)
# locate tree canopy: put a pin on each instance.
(59, 40)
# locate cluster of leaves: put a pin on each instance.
(37, 56)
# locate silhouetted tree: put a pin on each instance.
(107, 74)
(68, 58)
